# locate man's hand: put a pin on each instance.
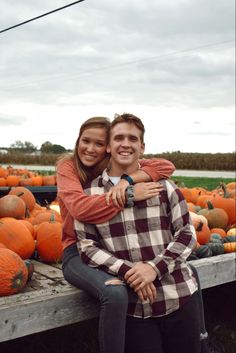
(148, 292)
(140, 275)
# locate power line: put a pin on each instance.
(45, 14)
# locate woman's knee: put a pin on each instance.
(115, 291)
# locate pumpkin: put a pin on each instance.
(204, 251)
(45, 216)
(37, 180)
(229, 239)
(217, 248)
(230, 247)
(25, 194)
(3, 182)
(228, 204)
(49, 244)
(13, 271)
(203, 233)
(217, 217)
(231, 231)
(49, 180)
(215, 237)
(15, 236)
(30, 268)
(220, 231)
(12, 206)
(13, 180)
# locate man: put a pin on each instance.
(146, 246)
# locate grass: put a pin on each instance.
(204, 182)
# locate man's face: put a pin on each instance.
(125, 145)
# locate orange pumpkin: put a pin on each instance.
(12, 206)
(45, 216)
(203, 233)
(49, 180)
(13, 271)
(13, 180)
(217, 217)
(49, 244)
(37, 180)
(16, 237)
(220, 231)
(230, 247)
(25, 194)
(3, 181)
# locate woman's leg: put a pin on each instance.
(113, 300)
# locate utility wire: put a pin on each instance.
(45, 14)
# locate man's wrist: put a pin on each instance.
(129, 193)
(128, 178)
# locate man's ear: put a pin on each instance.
(108, 149)
(142, 149)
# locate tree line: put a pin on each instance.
(181, 160)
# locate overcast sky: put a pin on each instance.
(170, 62)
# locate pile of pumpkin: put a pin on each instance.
(213, 214)
(23, 177)
(27, 230)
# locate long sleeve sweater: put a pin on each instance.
(75, 204)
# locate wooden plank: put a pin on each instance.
(215, 270)
(49, 301)
(45, 313)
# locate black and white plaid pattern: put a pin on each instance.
(157, 231)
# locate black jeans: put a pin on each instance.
(178, 332)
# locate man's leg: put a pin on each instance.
(180, 330)
(142, 336)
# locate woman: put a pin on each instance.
(73, 172)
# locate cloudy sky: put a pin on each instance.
(169, 62)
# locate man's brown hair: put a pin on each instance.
(130, 119)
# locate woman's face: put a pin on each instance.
(92, 146)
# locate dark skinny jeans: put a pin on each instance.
(113, 299)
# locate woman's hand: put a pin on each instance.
(144, 191)
(117, 193)
(149, 292)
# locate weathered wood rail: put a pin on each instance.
(49, 301)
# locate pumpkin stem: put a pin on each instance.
(210, 205)
(199, 227)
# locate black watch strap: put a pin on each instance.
(128, 178)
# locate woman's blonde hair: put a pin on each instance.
(84, 173)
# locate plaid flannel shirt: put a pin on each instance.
(157, 231)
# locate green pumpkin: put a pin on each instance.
(204, 251)
(215, 237)
(229, 239)
(216, 247)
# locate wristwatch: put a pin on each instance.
(128, 178)
(129, 196)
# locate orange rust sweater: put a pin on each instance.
(75, 204)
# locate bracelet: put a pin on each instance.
(128, 178)
(129, 196)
